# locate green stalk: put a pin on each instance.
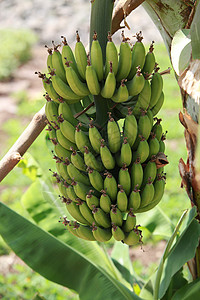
(100, 21)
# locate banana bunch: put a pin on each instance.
(106, 175)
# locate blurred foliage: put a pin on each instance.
(15, 49)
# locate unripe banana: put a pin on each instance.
(91, 161)
(81, 139)
(95, 138)
(138, 55)
(77, 160)
(101, 234)
(114, 136)
(156, 87)
(150, 170)
(67, 129)
(157, 129)
(96, 179)
(80, 189)
(130, 127)
(125, 156)
(125, 59)
(136, 174)
(105, 202)
(86, 212)
(134, 199)
(77, 175)
(74, 211)
(67, 53)
(70, 193)
(47, 84)
(143, 99)
(133, 237)
(162, 143)
(62, 152)
(144, 125)
(101, 217)
(106, 156)
(97, 57)
(64, 142)
(122, 200)
(62, 170)
(57, 62)
(158, 105)
(154, 145)
(85, 232)
(49, 58)
(92, 79)
(111, 55)
(142, 150)
(65, 110)
(91, 200)
(147, 194)
(117, 233)
(150, 61)
(121, 94)
(130, 222)
(62, 189)
(109, 85)
(78, 87)
(136, 84)
(72, 226)
(116, 216)
(110, 186)
(51, 111)
(150, 115)
(81, 56)
(124, 179)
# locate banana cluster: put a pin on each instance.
(106, 175)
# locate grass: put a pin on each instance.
(23, 282)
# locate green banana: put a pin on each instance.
(110, 84)
(154, 145)
(92, 79)
(143, 99)
(101, 217)
(134, 199)
(78, 87)
(74, 211)
(121, 94)
(122, 200)
(136, 84)
(156, 88)
(62, 152)
(70, 193)
(155, 109)
(96, 179)
(125, 156)
(157, 129)
(111, 56)
(77, 175)
(80, 189)
(133, 237)
(142, 151)
(125, 59)
(49, 58)
(117, 233)
(62, 170)
(81, 139)
(57, 62)
(67, 129)
(114, 136)
(144, 125)
(147, 194)
(130, 222)
(81, 56)
(150, 61)
(162, 143)
(101, 234)
(91, 161)
(68, 54)
(124, 179)
(72, 226)
(106, 156)
(95, 137)
(91, 200)
(138, 56)
(130, 127)
(110, 186)
(65, 110)
(64, 142)
(51, 111)
(86, 212)
(105, 202)
(97, 57)
(150, 171)
(150, 115)
(85, 232)
(77, 160)
(136, 174)
(116, 216)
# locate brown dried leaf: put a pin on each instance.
(190, 125)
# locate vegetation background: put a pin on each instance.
(22, 53)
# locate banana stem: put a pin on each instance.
(102, 109)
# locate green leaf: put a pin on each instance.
(181, 50)
(195, 33)
(30, 167)
(188, 292)
(38, 297)
(57, 261)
